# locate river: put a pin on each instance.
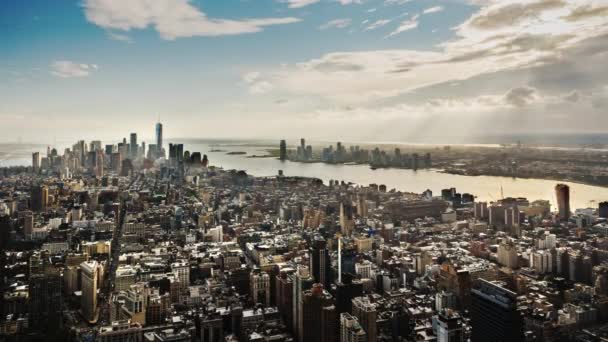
(486, 188)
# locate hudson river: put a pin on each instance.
(486, 188)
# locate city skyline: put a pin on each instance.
(303, 67)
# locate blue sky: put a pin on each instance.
(362, 69)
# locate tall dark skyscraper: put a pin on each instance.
(320, 263)
(45, 301)
(159, 138)
(283, 150)
(494, 314)
(562, 193)
(603, 209)
(133, 146)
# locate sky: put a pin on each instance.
(367, 70)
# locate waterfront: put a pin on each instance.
(486, 188)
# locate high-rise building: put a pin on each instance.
(320, 262)
(449, 326)
(494, 313)
(366, 312)
(45, 301)
(39, 197)
(260, 287)
(133, 146)
(603, 210)
(36, 162)
(182, 270)
(89, 278)
(318, 316)
(350, 329)
(283, 150)
(302, 280)
(562, 193)
(507, 255)
(159, 139)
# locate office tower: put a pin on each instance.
(320, 262)
(284, 295)
(36, 162)
(350, 329)
(603, 210)
(480, 210)
(45, 301)
(507, 255)
(28, 223)
(449, 326)
(562, 193)
(283, 150)
(346, 290)
(302, 281)
(39, 197)
(366, 312)
(260, 287)
(133, 146)
(109, 149)
(494, 313)
(88, 302)
(318, 316)
(116, 162)
(182, 270)
(347, 221)
(99, 164)
(159, 139)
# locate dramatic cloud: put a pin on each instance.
(171, 18)
(586, 12)
(529, 42)
(336, 23)
(500, 15)
(69, 69)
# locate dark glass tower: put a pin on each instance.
(494, 313)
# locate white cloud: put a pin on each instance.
(336, 23)
(299, 3)
(255, 84)
(349, 2)
(433, 10)
(69, 69)
(377, 23)
(405, 25)
(395, 2)
(120, 37)
(171, 18)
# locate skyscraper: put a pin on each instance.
(88, 305)
(159, 139)
(494, 314)
(449, 326)
(45, 301)
(562, 193)
(318, 316)
(350, 329)
(283, 150)
(320, 262)
(36, 162)
(302, 281)
(133, 146)
(367, 314)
